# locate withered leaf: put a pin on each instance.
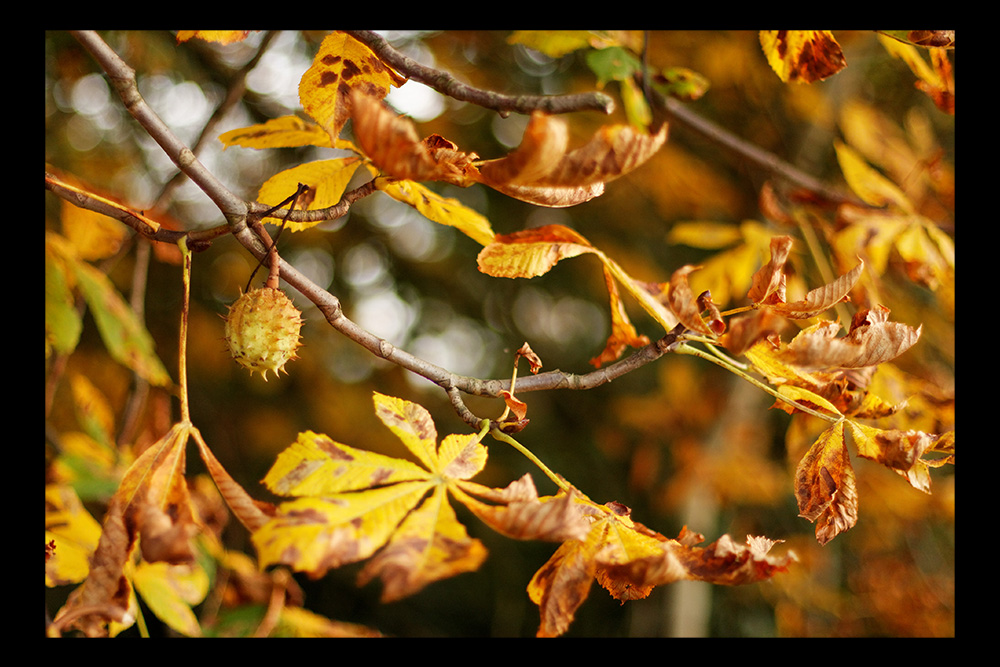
(683, 302)
(903, 451)
(151, 505)
(872, 340)
(542, 147)
(629, 560)
(825, 487)
(522, 515)
(539, 171)
(821, 298)
(746, 330)
(768, 283)
(391, 142)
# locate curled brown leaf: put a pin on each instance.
(872, 340)
(825, 487)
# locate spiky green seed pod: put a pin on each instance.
(262, 330)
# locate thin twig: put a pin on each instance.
(449, 86)
(679, 113)
(123, 80)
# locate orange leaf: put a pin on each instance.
(623, 334)
(542, 147)
(531, 252)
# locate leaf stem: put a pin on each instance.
(182, 354)
(684, 348)
(503, 437)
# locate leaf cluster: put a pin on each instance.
(396, 517)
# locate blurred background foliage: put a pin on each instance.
(680, 442)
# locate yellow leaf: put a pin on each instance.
(429, 545)
(75, 533)
(871, 186)
(93, 235)
(171, 591)
(532, 252)
(342, 64)
(218, 36)
(412, 424)
(802, 394)
(283, 132)
(554, 43)
(443, 210)
(315, 465)
(316, 534)
(327, 180)
(802, 56)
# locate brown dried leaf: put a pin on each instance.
(903, 451)
(539, 171)
(825, 487)
(391, 142)
(551, 196)
(683, 302)
(746, 330)
(138, 509)
(872, 340)
(821, 298)
(165, 516)
(629, 560)
(561, 585)
(768, 283)
(612, 152)
(534, 361)
(522, 515)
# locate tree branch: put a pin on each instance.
(679, 113)
(123, 79)
(237, 213)
(448, 85)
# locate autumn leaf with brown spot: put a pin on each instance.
(350, 505)
(802, 56)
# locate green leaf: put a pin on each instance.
(613, 64)
(126, 338)
(62, 321)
